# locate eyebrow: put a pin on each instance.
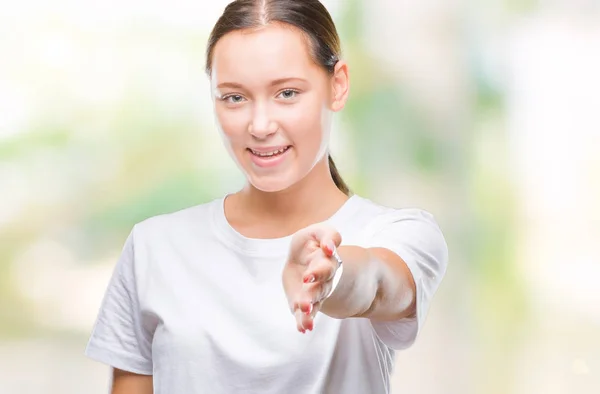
(274, 82)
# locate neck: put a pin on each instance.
(315, 195)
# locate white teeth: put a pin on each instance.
(269, 154)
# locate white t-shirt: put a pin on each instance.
(202, 308)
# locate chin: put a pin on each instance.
(272, 179)
(270, 185)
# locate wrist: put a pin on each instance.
(355, 290)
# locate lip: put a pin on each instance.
(271, 161)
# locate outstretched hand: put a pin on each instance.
(309, 271)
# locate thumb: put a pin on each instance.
(328, 238)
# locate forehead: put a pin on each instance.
(263, 54)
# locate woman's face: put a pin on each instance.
(274, 104)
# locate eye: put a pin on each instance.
(233, 98)
(288, 94)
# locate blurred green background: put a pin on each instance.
(484, 113)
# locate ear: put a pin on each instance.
(340, 86)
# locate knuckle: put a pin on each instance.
(326, 268)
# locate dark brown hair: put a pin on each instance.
(310, 16)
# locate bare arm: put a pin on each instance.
(131, 383)
(376, 284)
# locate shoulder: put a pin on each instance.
(380, 215)
(413, 233)
(401, 228)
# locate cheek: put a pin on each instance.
(232, 124)
(304, 123)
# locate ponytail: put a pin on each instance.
(337, 178)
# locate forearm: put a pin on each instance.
(375, 284)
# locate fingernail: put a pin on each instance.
(330, 247)
(309, 279)
(310, 326)
(310, 308)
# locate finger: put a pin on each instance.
(308, 321)
(304, 303)
(299, 321)
(320, 270)
(311, 294)
(322, 233)
(316, 309)
(327, 236)
(328, 247)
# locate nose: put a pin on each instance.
(261, 126)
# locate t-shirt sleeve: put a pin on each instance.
(415, 236)
(120, 338)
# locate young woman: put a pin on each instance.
(290, 285)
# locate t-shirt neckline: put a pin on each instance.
(268, 246)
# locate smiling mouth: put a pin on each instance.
(266, 155)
